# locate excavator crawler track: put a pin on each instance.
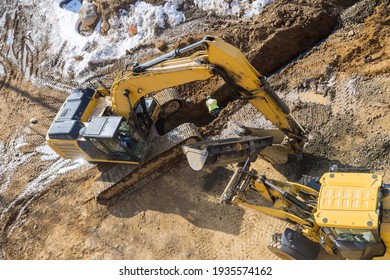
(128, 178)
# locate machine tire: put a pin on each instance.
(275, 246)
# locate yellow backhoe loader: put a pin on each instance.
(117, 123)
(345, 212)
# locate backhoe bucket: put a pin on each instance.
(214, 153)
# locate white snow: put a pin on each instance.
(46, 153)
(78, 54)
(10, 37)
(351, 85)
(2, 70)
(243, 8)
(59, 26)
(11, 158)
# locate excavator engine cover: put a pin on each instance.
(214, 153)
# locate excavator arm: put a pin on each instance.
(290, 201)
(216, 58)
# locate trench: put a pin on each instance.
(301, 40)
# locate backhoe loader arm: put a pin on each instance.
(289, 200)
(217, 58)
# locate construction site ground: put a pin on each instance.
(328, 60)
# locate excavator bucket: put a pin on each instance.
(278, 152)
(214, 153)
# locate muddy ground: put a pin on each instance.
(328, 60)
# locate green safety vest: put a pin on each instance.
(212, 104)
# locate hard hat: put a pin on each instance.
(209, 97)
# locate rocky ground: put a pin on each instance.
(328, 60)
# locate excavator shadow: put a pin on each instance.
(34, 99)
(307, 164)
(193, 195)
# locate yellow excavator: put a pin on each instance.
(345, 212)
(117, 123)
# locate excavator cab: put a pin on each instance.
(112, 138)
(353, 243)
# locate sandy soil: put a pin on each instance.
(330, 63)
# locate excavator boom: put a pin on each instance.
(217, 58)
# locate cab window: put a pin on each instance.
(356, 235)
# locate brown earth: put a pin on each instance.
(338, 88)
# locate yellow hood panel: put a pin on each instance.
(348, 200)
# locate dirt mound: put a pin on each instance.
(344, 98)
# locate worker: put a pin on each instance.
(213, 107)
(126, 140)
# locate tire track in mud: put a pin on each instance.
(258, 229)
(49, 83)
(5, 64)
(4, 68)
(18, 48)
(20, 54)
(19, 190)
(28, 166)
(313, 115)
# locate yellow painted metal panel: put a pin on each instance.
(90, 108)
(65, 148)
(348, 200)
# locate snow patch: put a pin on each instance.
(11, 158)
(59, 25)
(81, 52)
(46, 153)
(2, 70)
(351, 85)
(10, 37)
(243, 8)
